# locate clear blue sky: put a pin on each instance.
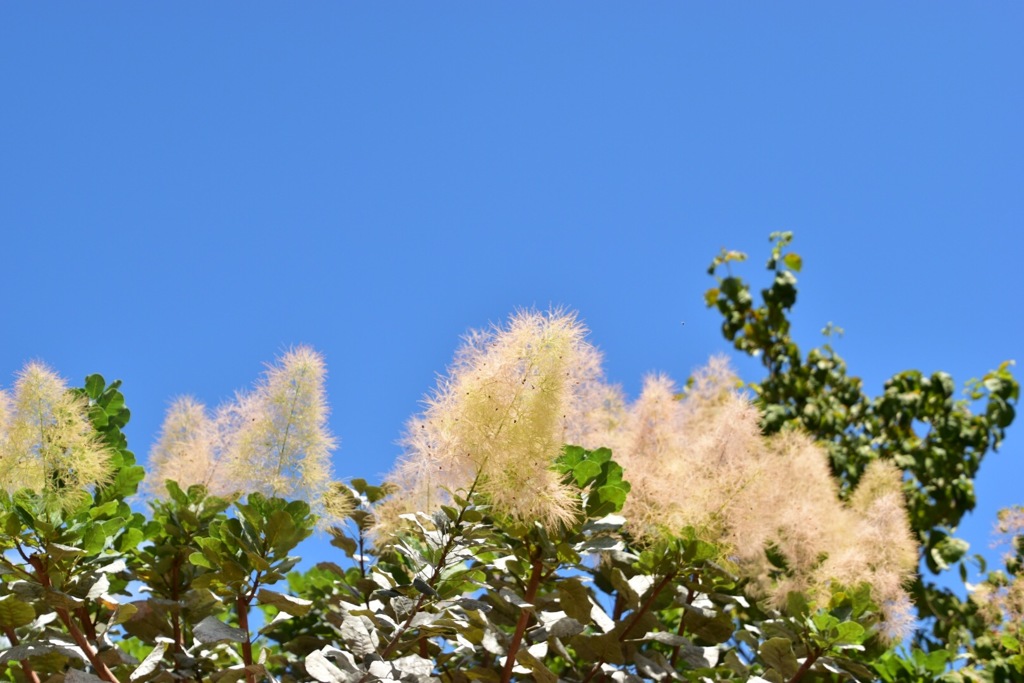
(186, 189)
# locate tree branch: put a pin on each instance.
(524, 619)
(26, 667)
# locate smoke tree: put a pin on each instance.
(539, 525)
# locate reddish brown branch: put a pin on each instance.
(435, 577)
(179, 639)
(524, 620)
(102, 670)
(26, 667)
(691, 593)
(633, 620)
(646, 606)
(812, 657)
(242, 604)
(86, 622)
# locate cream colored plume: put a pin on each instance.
(273, 440)
(187, 451)
(47, 442)
(1000, 597)
(500, 418)
(700, 461)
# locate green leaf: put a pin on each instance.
(199, 560)
(824, 622)
(949, 550)
(714, 627)
(793, 262)
(284, 603)
(697, 551)
(343, 541)
(586, 471)
(776, 558)
(122, 614)
(796, 604)
(541, 673)
(150, 663)
(849, 633)
(599, 647)
(626, 592)
(94, 386)
(13, 525)
(574, 599)
(58, 551)
(14, 612)
(569, 458)
(778, 654)
(130, 539)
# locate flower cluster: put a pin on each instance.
(499, 419)
(273, 440)
(47, 443)
(495, 424)
(697, 459)
(1000, 598)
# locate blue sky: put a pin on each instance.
(187, 189)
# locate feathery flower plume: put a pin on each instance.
(6, 410)
(500, 418)
(701, 462)
(687, 461)
(880, 506)
(282, 431)
(187, 450)
(1000, 598)
(793, 508)
(47, 442)
(273, 440)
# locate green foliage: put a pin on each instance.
(596, 473)
(457, 595)
(109, 415)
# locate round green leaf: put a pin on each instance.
(14, 612)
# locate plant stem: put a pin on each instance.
(362, 555)
(26, 667)
(179, 641)
(242, 605)
(620, 607)
(83, 619)
(646, 606)
(98, 664)
(691, 593)
(434, 577)
(812, 657)
(633, 620)
(524, 619)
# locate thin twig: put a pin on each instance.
(434, 577)
(691, 593)
(102, 670)
(524, 619)
(806, 666)
(26, 666)
(633, 621)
